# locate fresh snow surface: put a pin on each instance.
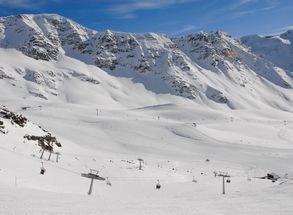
(106, 121)
(135, 123)
(173, 149)
(276, 48)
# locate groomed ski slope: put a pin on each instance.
(174, 152)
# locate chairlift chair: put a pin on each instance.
(108, 182)
(43, 170)
(158, 185)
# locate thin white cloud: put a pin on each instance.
(186, 29)
(248, 7)
(237, 4)
(246, 1)
(287, 28)
(127, 8)
(128, 16)
(247, 12)
(15, 3)
(23, 4)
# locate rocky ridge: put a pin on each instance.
(189, 66)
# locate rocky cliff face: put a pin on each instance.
(194, 66)
(210, 50)
(148, 55)
(219, 52)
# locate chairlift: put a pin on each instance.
(43, 170)
(158, 185)
(228, 180)
(108, 182)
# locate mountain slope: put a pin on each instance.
(188, 106)
(277, 48)
(214, 69)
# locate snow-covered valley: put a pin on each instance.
(193, 109)
(248, 146)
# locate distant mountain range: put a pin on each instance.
(213, 69)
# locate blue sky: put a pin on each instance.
(171, 17)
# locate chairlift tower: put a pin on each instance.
(57, 156)
(224, 175)
(140, 163)
(93, 175)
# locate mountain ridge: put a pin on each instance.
(207, 67)
(277, 48)
(191, 107)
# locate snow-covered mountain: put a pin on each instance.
(190, 107)
(210, 68)
(276, 48)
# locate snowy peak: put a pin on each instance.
(41, 36)
(288, 35)
(145, 56)
(213, 68)
(220, 52)
(210, 49)
(276, 48)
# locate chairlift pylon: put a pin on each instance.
(93, 175)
